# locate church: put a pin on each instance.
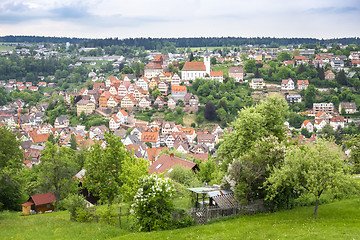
(194, 70)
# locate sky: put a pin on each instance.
(181, 18)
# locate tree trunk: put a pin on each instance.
(316, 206)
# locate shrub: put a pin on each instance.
(153, 204)
(83, 215)
(73, 203)
(182, 219)
(107, 215)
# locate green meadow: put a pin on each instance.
(338, 220)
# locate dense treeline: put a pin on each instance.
(158, 43)
(40, 39)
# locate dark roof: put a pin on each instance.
(44, 198)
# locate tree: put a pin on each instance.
(253, 123)
(341, 77)
(247, 174)
(191, 58)
(296, 52)
(56, 170)
(155, 93)
(282, 56)
(73, 143)
(11, 159)
(250, 66)
(310, 96)
(210, 111)
(305, 132)
(313, 168)
(257, 73)
(213, 61)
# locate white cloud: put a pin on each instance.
(160, 18)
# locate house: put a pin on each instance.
(329, 75)
(165, 163)
(218, 76)
(103, 99)
(301, 60)
(97, 132)
(151, 137)
(85, 106)
(181, 147)
(287, 85)
(39, 203)
(302, 84)
(189, 133)
(337, 121)
(99, 86)
(152, 154)
(153, 69)
(114, 123)
(154, 82)
(145, 103)
(321, 115)
(325, 107)
(163, 87)
(200, 149)
(167, 128)
(337, 64)
(308, 125)
(171, 104)
(319, 124)
(257, 83)
(166, 77)
(293, 98)
(128, 102)
(178, 92)
(355, 63)
(194, 70)
(61, 122)
(123, 116)
(169, 140)
(159, 102)
(237, 73)
(175, 80)
(349, 107)
(130, 139)
(288, 62)
(207, 139)
(143, 83)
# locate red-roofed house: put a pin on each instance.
(302, 84)
(301, 59)
(151, 137)
(219, 76)
(287, 85)
(178, 92)
(153, 153)
(153, 69)
(308, 125)
(337, 121)
(194, 70)
(168, 162)
(39, 203)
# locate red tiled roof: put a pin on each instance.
(44, 198)
(166, 162)
(27, 204)
(152, 65)
(216, 74)
(154, 152)
(194, 66)
(39, 138)
(149, 136)
(303, 81)
(301, 58)
(178, 89)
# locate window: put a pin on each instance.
(158, 166)
(48, 205)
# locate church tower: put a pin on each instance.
(207, 64)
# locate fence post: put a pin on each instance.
(120, 217)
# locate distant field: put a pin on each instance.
(5, 48)
(339, 220)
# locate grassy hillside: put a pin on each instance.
(339, 220)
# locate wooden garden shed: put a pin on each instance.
(39, 203)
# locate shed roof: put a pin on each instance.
(44, 198)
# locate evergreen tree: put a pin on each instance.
(341, 77)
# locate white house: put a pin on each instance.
(194, 70)
(287, 85)
(308, 125)
(122, 115)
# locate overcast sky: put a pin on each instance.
(181, 18)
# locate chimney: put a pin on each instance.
(171, 156)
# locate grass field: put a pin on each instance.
(339, 220)
(5, 48)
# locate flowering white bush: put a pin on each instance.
(153, 203)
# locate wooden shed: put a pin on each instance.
(39, 203)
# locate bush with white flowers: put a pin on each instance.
(153, 204)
